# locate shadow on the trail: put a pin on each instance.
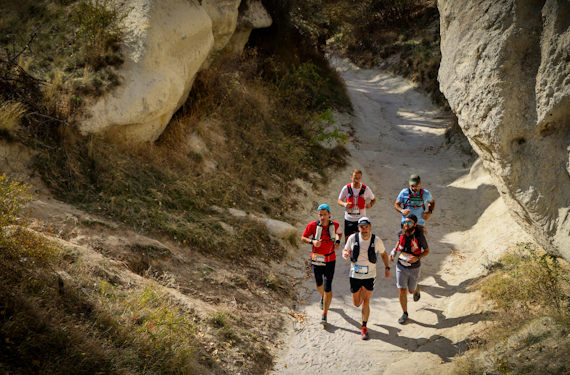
(348, 319)
(443, 322)
(435, 344)
(443, 289)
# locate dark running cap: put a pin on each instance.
(412, 217)
(415, 179)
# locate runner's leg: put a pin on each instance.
(366, 303)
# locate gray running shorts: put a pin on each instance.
(407, 278)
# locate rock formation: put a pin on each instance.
(165, 43)
(505, 71)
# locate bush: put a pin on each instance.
(17, 242)
(13, 196)
(531, 292)
(99, 31)
(527, 283)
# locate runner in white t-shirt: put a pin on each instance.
(364, 249)
(355, 198)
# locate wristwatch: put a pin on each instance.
(388, 267)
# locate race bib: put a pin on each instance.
(354, 210)
(404, 259)
(362, 270)
(317, 259)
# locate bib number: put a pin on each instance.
(317, 259)
(361, 270)
(404, 259)
(354, 210)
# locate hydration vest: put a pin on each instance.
(356, 249)
(360, 201)
(331, 236)
(410, 245)
(415, 201)
(326, 257)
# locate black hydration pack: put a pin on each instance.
(356, 249)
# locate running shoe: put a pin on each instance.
(323, 319)
(403, 318)
(322, 303)
(417, 294)
(364, 333)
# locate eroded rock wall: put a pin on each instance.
(505, 71)
(165, 43)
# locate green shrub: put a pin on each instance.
(529, 334)
(13, 196)
(528, 283)
(99, 31)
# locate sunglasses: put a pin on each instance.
(409, 222)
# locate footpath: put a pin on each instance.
(397, 132)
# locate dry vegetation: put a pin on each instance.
(201, 294)
(530, 333)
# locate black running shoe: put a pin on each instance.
(403, 318)
(323, 319)
(417, 294)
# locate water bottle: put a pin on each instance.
(319, 232)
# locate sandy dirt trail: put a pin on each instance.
(398, 131)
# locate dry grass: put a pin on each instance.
(531, 291)
(11, 113)
(257, 142)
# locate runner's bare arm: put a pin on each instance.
(342, 203)
(398, 207)
(386, 264)
(306, 239)
(431, 205)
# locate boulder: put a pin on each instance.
(224, 16)
(165, 43)
(252, 15)
(505, 72)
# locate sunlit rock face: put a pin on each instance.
(165, 43)
(505, 71)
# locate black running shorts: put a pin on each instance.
(324, 274)
(356, 284)
(350, 227)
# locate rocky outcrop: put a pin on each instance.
(165, 44)
(505, 71)
(252, 15)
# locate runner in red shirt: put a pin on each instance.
(324, 235)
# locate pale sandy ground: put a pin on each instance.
(398, 131)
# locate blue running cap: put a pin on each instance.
(324, 207)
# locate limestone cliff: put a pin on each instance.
(505, 71)
(165, 43)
